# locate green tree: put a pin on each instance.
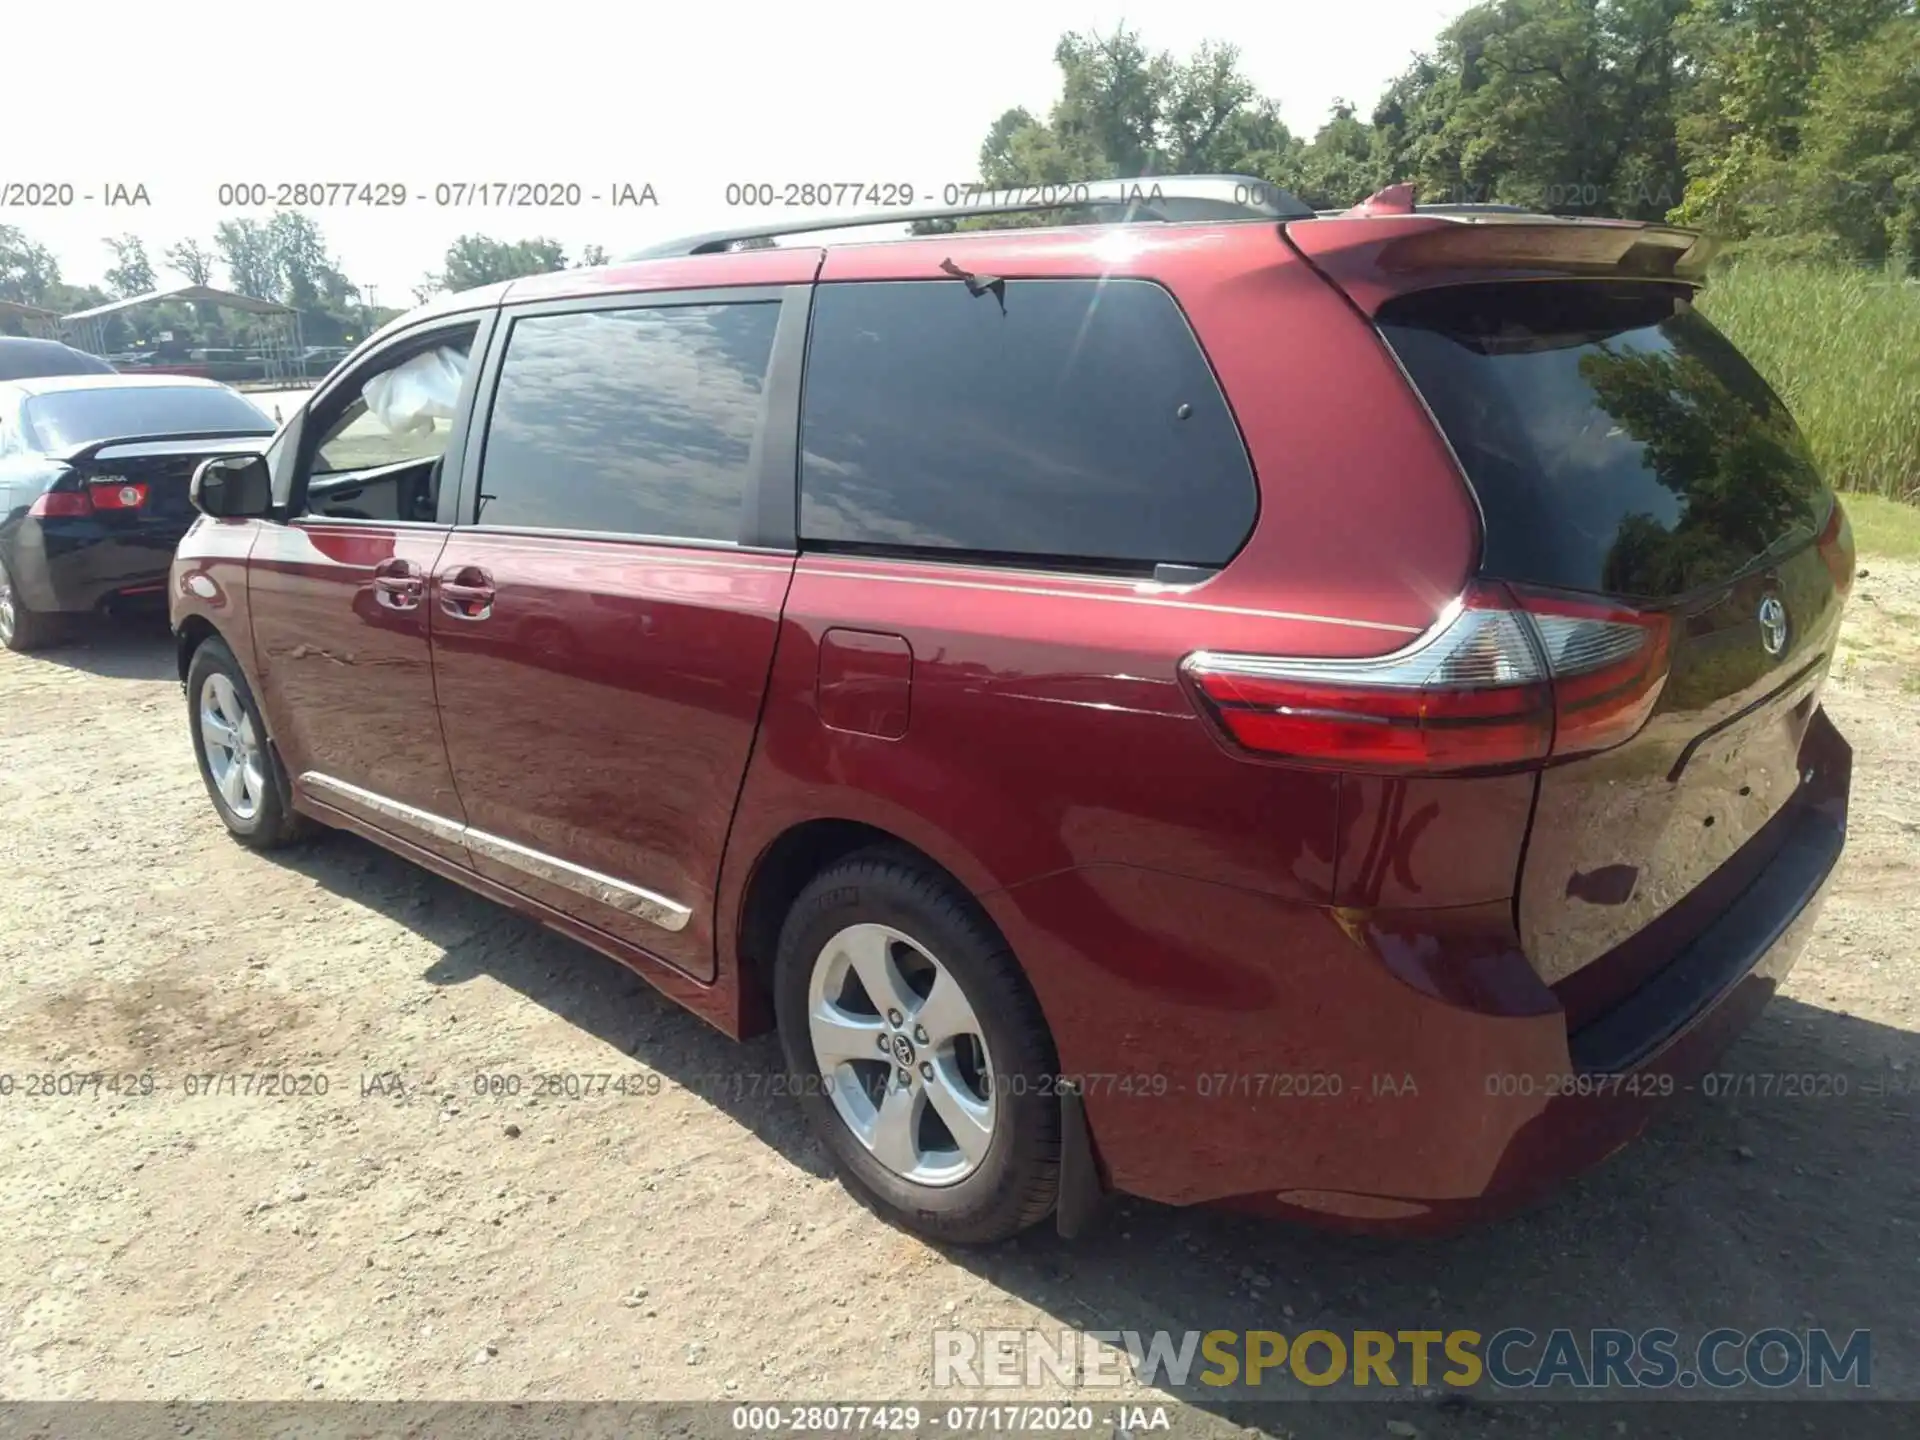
(475, 260)
(310, 280)
(1563, 105)
(286, 259)
(1650, 84)
(1409, 117)
(1788, 120)
(1341, 165)
(194, 263)
(247, 250)
(304, 276)
(192, 260)
(1855, 184)
(591, 256)
(131, 273)
(1755, 64)
(28, 271)
(1124, 112)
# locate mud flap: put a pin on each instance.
(1081, 1195)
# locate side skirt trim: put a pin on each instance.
(605, 890)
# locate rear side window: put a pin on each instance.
(1618, 443)
(638, 422)
(1081, 424)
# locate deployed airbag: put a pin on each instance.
(410, 397)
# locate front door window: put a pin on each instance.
(382, 438)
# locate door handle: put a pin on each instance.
(398, 584)
(467, 594)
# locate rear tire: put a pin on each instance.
(965, 1042)
(22, 629)
(243, 773)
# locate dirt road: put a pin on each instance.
(399, 1236)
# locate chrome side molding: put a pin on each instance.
(642, 904)
(618, 895)
(438, 826)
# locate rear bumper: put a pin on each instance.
(79, 564)
(1740, 948)
(1393, 1071)
(1629, 1062)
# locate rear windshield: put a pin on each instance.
(1616, 440)
(68, 418)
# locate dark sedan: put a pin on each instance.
(94, 475)
(23, 359)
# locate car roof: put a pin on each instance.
(26, 353)
(52, 384)
(33, 342)
(1148, 202)
(1115, 249)
(1116, 246)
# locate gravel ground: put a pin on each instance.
(399, 1237)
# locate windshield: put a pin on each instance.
(1616, 440)
(67, 418)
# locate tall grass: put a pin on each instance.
(1843, 348)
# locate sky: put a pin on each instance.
(688, 99)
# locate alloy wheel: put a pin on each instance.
(902, 1054)
(234, 756)
(8, 617)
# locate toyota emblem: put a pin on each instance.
(1773, 624)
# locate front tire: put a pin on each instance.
(244, 777)
(22, 629)
(953, 1129)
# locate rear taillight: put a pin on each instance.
(1836, 548)
(50, 504)
(1608, 665)
(113, 493)
(1503, 679)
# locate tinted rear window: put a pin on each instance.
(77, 417)
(1082, 424)
(1616, 440)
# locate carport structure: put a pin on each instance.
(35, 323)
(281, 346)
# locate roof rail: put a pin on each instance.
(1164, 198)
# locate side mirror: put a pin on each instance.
(233, 487)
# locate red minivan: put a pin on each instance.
(1221, 704)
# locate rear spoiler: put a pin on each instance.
(1376, 256)
(129, 447)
